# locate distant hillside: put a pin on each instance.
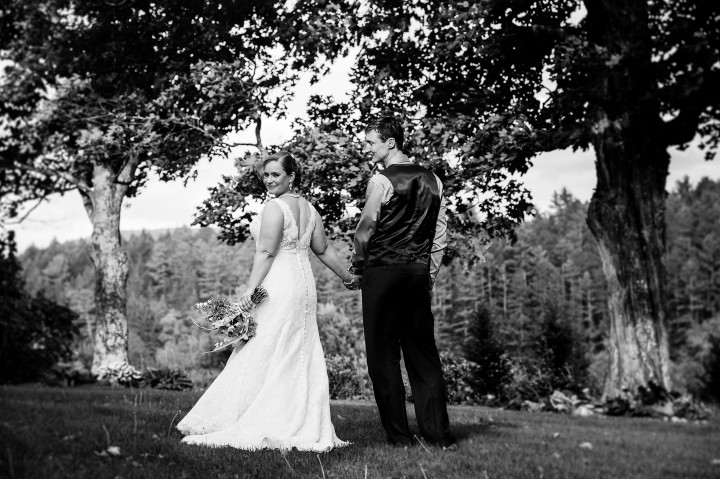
(154, 233)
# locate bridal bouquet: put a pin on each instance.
(229, 319)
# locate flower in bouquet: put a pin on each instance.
(229, 319)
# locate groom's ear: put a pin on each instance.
(391, 142)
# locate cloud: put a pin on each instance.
(575, 171)
(555, 170)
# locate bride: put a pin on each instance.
(273, 392)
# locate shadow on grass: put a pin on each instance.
(362, 427)
(464, 432)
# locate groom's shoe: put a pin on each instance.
(446, 445)
(402, 444)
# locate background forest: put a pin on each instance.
(534, 314)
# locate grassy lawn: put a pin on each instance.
(48, 433)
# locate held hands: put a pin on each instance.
(352, 282)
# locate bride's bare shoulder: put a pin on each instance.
(310, 205)
(272, 210)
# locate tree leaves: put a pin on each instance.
(334, 176)
(160, 85)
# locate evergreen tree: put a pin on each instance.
(561, 351)
(35, 332)
(483, 349)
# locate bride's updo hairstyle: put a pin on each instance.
(287, 162)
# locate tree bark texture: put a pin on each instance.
(103, 203)
(627, 210)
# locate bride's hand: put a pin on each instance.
(245, 302)
(352, 282)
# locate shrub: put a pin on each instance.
(166, 378)
(119, 374)
(339, 333)
(457, 372)
(68, 373)
(343, 377)
(527, 382)
(655, 401)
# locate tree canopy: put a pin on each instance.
(142, 85)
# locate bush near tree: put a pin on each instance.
(343, 377)
(457, 372)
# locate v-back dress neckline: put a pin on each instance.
(287, 210)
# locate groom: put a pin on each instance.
(398, 246)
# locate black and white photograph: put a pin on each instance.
(359, 239)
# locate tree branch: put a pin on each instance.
(39, 202)
(258, 126)
(77, 183)
(233, 145)
(88, 204)
(24, 217)
(127, 173)
(683, 128)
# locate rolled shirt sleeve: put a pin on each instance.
(440, 239)
(379, 190)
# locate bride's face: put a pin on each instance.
(276, 180)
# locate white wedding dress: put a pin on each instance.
(273, 392)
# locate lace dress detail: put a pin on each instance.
(273, 392)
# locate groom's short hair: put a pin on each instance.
(387, 127)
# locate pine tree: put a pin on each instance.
(35, 332)
(483, 349)
(561, 351)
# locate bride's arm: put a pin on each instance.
(325, 252)
(271, 229)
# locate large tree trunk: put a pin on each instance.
(627, 211)
(103, 203)
(626, 216)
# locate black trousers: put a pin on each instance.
(397, 316)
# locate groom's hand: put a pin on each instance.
(352, 283)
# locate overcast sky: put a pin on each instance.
(168, 205)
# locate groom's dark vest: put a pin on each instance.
(405, 227)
